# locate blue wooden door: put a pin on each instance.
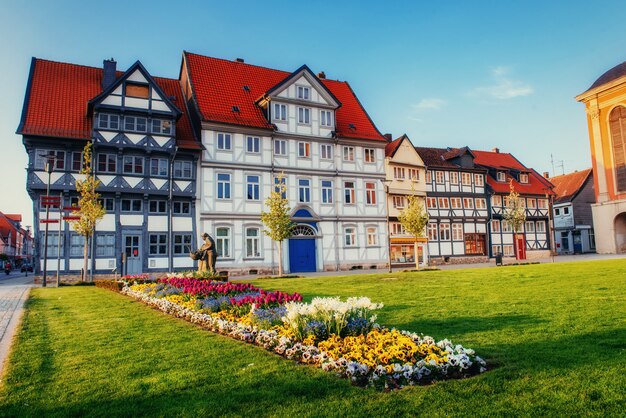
(302, 255)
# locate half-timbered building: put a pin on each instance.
(504, 170)
(145, 155)
(456, 200)
(258, 124)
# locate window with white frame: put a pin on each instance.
(508, 250)
(40, 159)
(304, 115)
(253, 243)
(327, 191)
(523, 178)
(223, 185)
(77, 245)
(444, 232)
(433, 232)
(181, 207)
(105, 245)
(557, 211)
(454, 177)
(304, 149)
(455, 203)
(253, 187)
(431, 202)
(429, 178)
(182, 169)
(542, 203)
(223, 241)
(481, 203)
(160, 126)
(253, 144)
(107, 203)
(414, 174)
(350, 236)
(158, 244)
(566, 210)
(397, 229)
(398, 202)
(496, 200)
(107, 163)
(135, 124)
(370, 193)
(495, 225)
(370, 155)
(530, 226)
(132, 165)
(280, 147)
(457, 232)
(349, 193)
(280, 111)
(501, 176)
(157, 206)
(158, 167)
(466, 179)
(326, 151)
(348, 153)
(541, 226)
(277, 186)
(77, 161)
(372, 235)
(479, 180)
(304, 190)
(531, 203)
(326, 118)
(224, 141)
(108, 121)
(443, 203)
(440, 177)
(399, 173)
(182, 244)
(496, 249)
(468, 203)
(303, 92)
(53, 244)
(131, 205)
(506, 226)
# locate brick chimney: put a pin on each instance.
(321, 75)
(496, 150)
(108, 74)
(546, 174)
(389, 137)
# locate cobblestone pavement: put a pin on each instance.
(13, 293)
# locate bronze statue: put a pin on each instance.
(206, 255)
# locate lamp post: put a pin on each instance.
(49, 168)
(386, 184)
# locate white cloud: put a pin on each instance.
(431, 103)
(503, 88)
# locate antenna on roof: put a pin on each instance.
(561, 164)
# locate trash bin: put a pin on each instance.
(498, 259)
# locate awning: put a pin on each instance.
(404, 240)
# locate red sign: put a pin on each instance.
(51, 200)
(71, 208)
(135, 252)
(71, 218)
(49, 221)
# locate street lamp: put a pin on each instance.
(386, 184)
(49, 168)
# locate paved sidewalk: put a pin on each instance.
(13, 294)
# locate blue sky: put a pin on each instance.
(451, 73)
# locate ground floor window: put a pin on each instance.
(253, 242)
(77, 245)
(565, 241)
(350, 236)
(105, 245)
(222, 241)
(158, 244)
(475, 244)
(372, 235)
(405, 253)
(53, 244)
(508, 250)
(182, 244)
(592, 239)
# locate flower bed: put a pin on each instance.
(339, 336)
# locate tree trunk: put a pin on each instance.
(85, 259)
(280, 258)
(417, 257)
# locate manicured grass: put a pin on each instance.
(557, 334)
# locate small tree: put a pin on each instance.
(414, 220)
(514, 213)
(278, 224)
(91, 210)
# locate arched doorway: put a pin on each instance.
(620, 233)
(302, 249)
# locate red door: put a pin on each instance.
(520, 247)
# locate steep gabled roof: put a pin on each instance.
(537, 184)
(303, 69)
(58, 94)
(392, 147)
(567, 186)
(220, 84)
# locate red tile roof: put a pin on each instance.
(537, 184)
(218, 85)
(391, 147)
(434, 157)
(57, 95)
(567, 186)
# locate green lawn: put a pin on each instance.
(556, 334)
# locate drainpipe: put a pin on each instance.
(171, 209)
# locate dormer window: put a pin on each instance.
(141, 91)
(523, 178)
(280, 112)
(304, 93)
(326, 118)
(501, 176)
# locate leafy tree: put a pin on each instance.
(278, 223)
(91, 210)
(514, 213)
(414, 219)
